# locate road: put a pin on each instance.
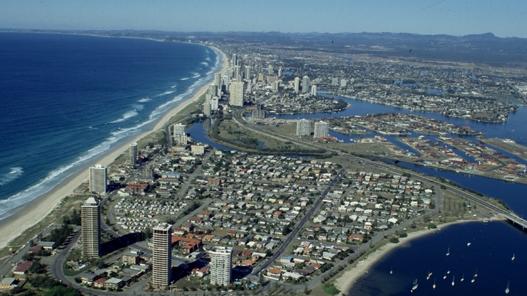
(479, 200)
(7, 263)
(298, 227)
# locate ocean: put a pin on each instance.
(66, 99)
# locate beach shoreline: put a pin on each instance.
(361, 267)
(37, 209)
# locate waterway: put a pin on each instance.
(491, 244)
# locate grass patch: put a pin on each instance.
(230, 133)
(330, 289)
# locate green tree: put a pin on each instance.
(61, 291)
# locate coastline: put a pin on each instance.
(360, 268)
(34, 211)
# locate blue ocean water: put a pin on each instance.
(66, 99)
(489, 255)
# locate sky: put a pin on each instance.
(455, 17)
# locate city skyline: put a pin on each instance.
(140, 162)
(420, 17)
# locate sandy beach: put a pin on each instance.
(33, 212)
(350, 276)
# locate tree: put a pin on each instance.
(37, 267)
(41, 281)
(100, 264)
(147, 233)
(61, 291)
(74, 218)
(394, 240)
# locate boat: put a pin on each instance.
(468, 244)
(462, 279)
(453, 281)
(391, 271)
(447, 252)
(428, 276)
(415, 285)
(448, 272)
(434, 284)
(472, 280)
(507, 289)
(513, 257)
(444, 277)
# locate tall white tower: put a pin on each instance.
(98, 179)
(162, 256)
(220, 266)
(90, 228)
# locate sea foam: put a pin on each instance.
(13, 174)
(46, 184)
(145, 100)
(127, 115)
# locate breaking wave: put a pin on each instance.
(13, 174)
(46, 184)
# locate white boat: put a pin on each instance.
(428, 276)
(447, 252)
(513, 257)
(453, 281)
(448, 272)
(415, 285)
(444, 277)
(468, 244)
(472, 281)
(434, 285)
(462, 279)
(507, 289)
(391, 271)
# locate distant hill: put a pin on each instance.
(478, 48)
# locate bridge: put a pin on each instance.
(515, 220)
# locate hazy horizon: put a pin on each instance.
(431, 17)
(51, 30)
